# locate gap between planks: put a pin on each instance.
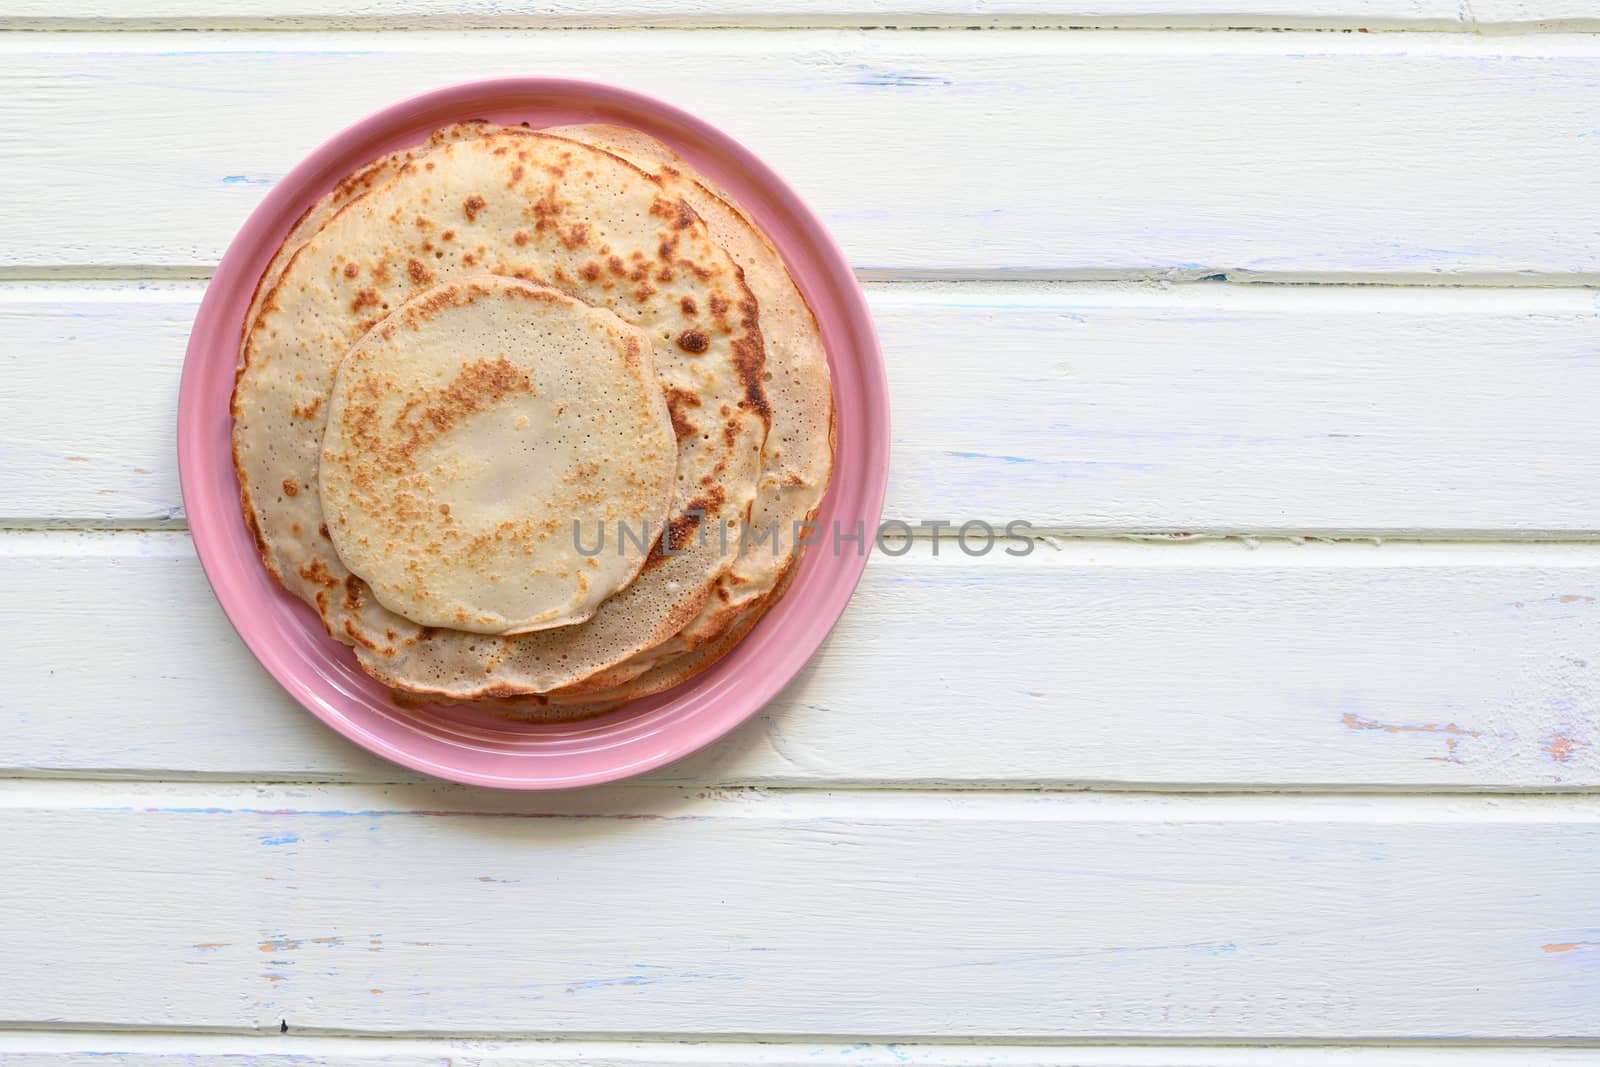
(669, 802)
(639, 41)
(198, 1047)
(1530, 16)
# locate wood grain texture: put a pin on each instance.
(1100, 409)
(1000, 916)
(39, 1049)
(1442, 15)
(1279, 741)
(949, 154)
(1095, 664)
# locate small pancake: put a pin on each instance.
(470, 430)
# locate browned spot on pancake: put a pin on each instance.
(308, 410)
(352, 593)
(720, 305)
(364, 299)
(616, 266)
(644, 291)
(424, 224)
(678, 212)
(545, 209)
(380, 273)
(470, 260)
(576, 236)
(631, 351)
(693, 341)
(361, 179)
(475, 387)
(448, 235)
(420, 275)
(681, 526)
(704, 273)
(750, 360)
(351, 270)
(317, 573)
(434, 302)
(528, 293)
(590, 271)
(688, 306)
(290, 487)
(677, 534)
(516, 174)
(668, 248)
(474, 204)
(521, 237)
(424, 633)
(677, 401)
(358, 637)
(322, 528)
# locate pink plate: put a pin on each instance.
(474, 747)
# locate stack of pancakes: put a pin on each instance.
(533, 419)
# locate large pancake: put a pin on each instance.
(670, 671)
(470, 430)
(547, 209)
(363, 180)
(798, 457)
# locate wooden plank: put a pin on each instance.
(1534, 14)
(36, 1049)
(961, 154)
(1084, 408)
(1096, 664)
(893, 916)
(507, 14)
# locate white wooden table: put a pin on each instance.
(1283, 748)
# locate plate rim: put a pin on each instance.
(719, 710)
